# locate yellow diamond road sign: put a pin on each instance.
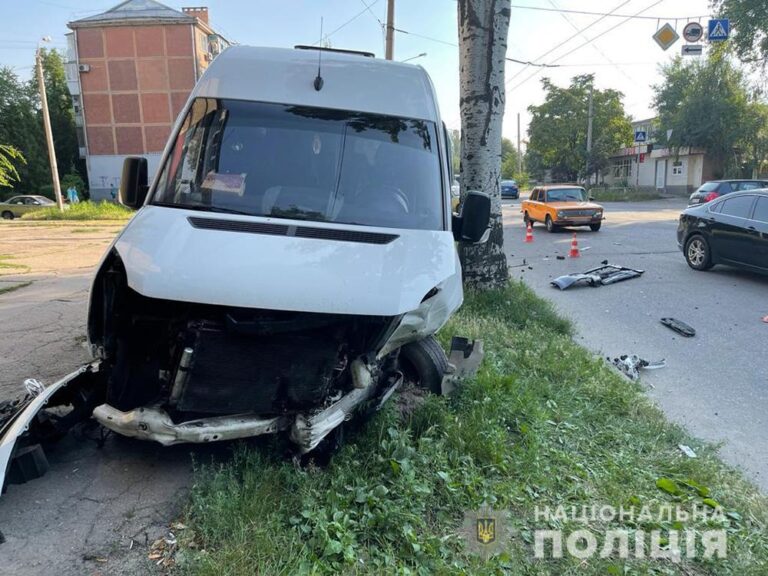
(666, 36)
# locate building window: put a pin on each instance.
(622, 167)
(678, 169)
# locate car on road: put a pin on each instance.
(455, 195)
(17, 206)
(716, 188)
(510, 189)
(560, 205)
(732, 230)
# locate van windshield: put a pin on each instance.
(305, 163)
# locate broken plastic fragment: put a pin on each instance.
(687, 450)
(601, 276)
(679, 327)
(630, 365)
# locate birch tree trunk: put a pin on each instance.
(483, 28)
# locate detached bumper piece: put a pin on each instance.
(601, 276)
(25, 424)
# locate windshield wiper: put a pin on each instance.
(203, 208)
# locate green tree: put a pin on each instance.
(707, 105)
(21, 130)
(558, 129)
(8, 172)
(749, 25)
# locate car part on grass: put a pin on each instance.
(680, 327)
(600, 276)
(631, 364)
(464, 361)
(26, 423)
(687, 450)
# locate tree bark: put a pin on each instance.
(483, 28)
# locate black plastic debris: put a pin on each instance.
(631, 364)
(679, 327)
(601, 276)
(560, 257)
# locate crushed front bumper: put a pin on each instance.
(154, 423)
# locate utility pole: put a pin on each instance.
(390, 40)
(519, 151)
(48, 134)
(589, 137)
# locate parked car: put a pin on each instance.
(509, 189)
(716, 188)
(562, 205)
(17, 206)
(732, 230)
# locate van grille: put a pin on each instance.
(289, 230)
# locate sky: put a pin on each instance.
(620, 52)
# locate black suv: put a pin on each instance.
(716, 188)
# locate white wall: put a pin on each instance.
(104, 173)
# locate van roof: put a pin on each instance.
(350, 81)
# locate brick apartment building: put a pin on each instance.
(130, 71)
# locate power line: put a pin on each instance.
(595, 46)
(446, 43)
(355, 17)
(567, 40)
(580, 46)
(611, 14)
(368, 8)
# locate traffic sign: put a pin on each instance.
(692, 49)
(640, 136)
(666, 36)
(693, 32)
(718, 29)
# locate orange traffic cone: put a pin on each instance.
(574, 253)
(529, 233)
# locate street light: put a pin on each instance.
(47, 124)
(414, 57)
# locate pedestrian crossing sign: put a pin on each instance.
(718, 29)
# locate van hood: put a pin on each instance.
(268, 263)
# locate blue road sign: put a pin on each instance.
(640, 136)
(718, 29)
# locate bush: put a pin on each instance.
(82, 211)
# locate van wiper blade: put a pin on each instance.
(202, 208)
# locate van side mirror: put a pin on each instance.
(133, 183)
(471, 225)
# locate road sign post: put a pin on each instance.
(666, 36)
(693, 32)
(718, 29)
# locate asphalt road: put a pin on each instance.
(99, 508)
(716, 383)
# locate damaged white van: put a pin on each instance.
(290, 262)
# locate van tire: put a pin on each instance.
(424, 363)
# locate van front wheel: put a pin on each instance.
(424, 363)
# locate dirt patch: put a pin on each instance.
(52, 248)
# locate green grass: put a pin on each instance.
(82, 211)
(623, 194)
(7, 289)
(544, 423)
(11, 267)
